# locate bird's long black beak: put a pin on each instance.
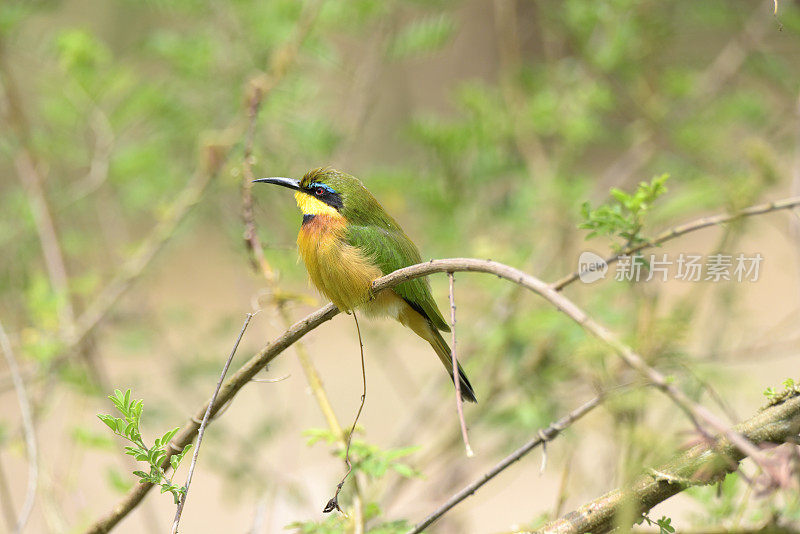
(278, 180)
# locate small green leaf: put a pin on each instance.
(109, 421)
(167, 437)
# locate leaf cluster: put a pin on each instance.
(127, 427)
(623, 217)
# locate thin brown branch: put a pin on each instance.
(299, 329)
(698, 224)
(705, 463)
(542, 436)
(204, 423)
(28, 430)
(454, 358)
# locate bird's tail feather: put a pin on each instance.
(443, 351)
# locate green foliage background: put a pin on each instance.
(484, 127)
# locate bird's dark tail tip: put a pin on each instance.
(467, 393)
(443, 351)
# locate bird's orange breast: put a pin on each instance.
(339, 270)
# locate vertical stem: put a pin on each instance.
(456, 378)
(203, 424)
(333, 504)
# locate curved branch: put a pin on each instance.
(702, 464)
(298, 330)
(695, 411)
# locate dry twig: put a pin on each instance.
(542, 437)
(454, 358)
(203, 425)
(258, 90)
(333, 504)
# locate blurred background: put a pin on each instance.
(483, 127)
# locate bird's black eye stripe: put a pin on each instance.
(324, 193)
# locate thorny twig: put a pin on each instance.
(454, 358)
(28, 430)
(258, 91)
(204, 423)
(542, 437)
(333, 504)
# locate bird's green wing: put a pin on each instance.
(392, 250)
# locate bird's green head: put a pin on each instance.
(327, 191)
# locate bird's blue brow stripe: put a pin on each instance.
(314, 185)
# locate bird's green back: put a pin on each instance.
(391, 249)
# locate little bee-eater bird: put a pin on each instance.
(347, 240)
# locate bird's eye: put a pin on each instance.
(319, 191)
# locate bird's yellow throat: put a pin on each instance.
(311, 206)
